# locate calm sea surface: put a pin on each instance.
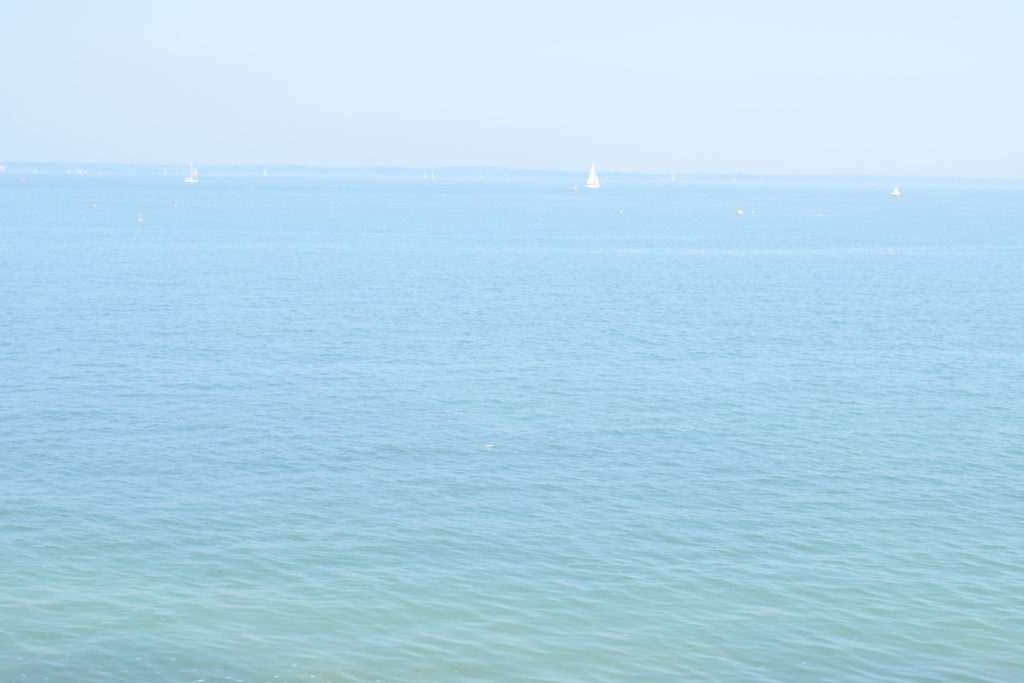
(399, 430)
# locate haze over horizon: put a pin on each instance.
(914, 88)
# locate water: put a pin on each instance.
(338, 429)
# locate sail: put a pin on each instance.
(592, 182)
(896, 191)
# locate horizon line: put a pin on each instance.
(478, 167)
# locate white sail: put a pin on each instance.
(191, 177)
(592, 181)
(896, 191)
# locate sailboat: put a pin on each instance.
(192, 175)
(592, 182)
(672, 177)
(265, 174)
(896, 191)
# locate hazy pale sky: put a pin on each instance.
(736, 86)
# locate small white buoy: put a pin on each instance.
(739, 212)
(574, 187)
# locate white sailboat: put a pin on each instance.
(592, 181)
(192, 176)
(896, 191)
(672, 177)
(265, 174)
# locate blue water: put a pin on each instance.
(345, 430)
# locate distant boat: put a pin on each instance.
(192, 176)
(140, 217)
(592, 182)
(265, 174)
(896, 191)
(672, 177)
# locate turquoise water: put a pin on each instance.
(295, 429)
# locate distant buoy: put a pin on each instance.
(739, 212)
(573, 187)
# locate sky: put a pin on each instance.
(908, 87)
